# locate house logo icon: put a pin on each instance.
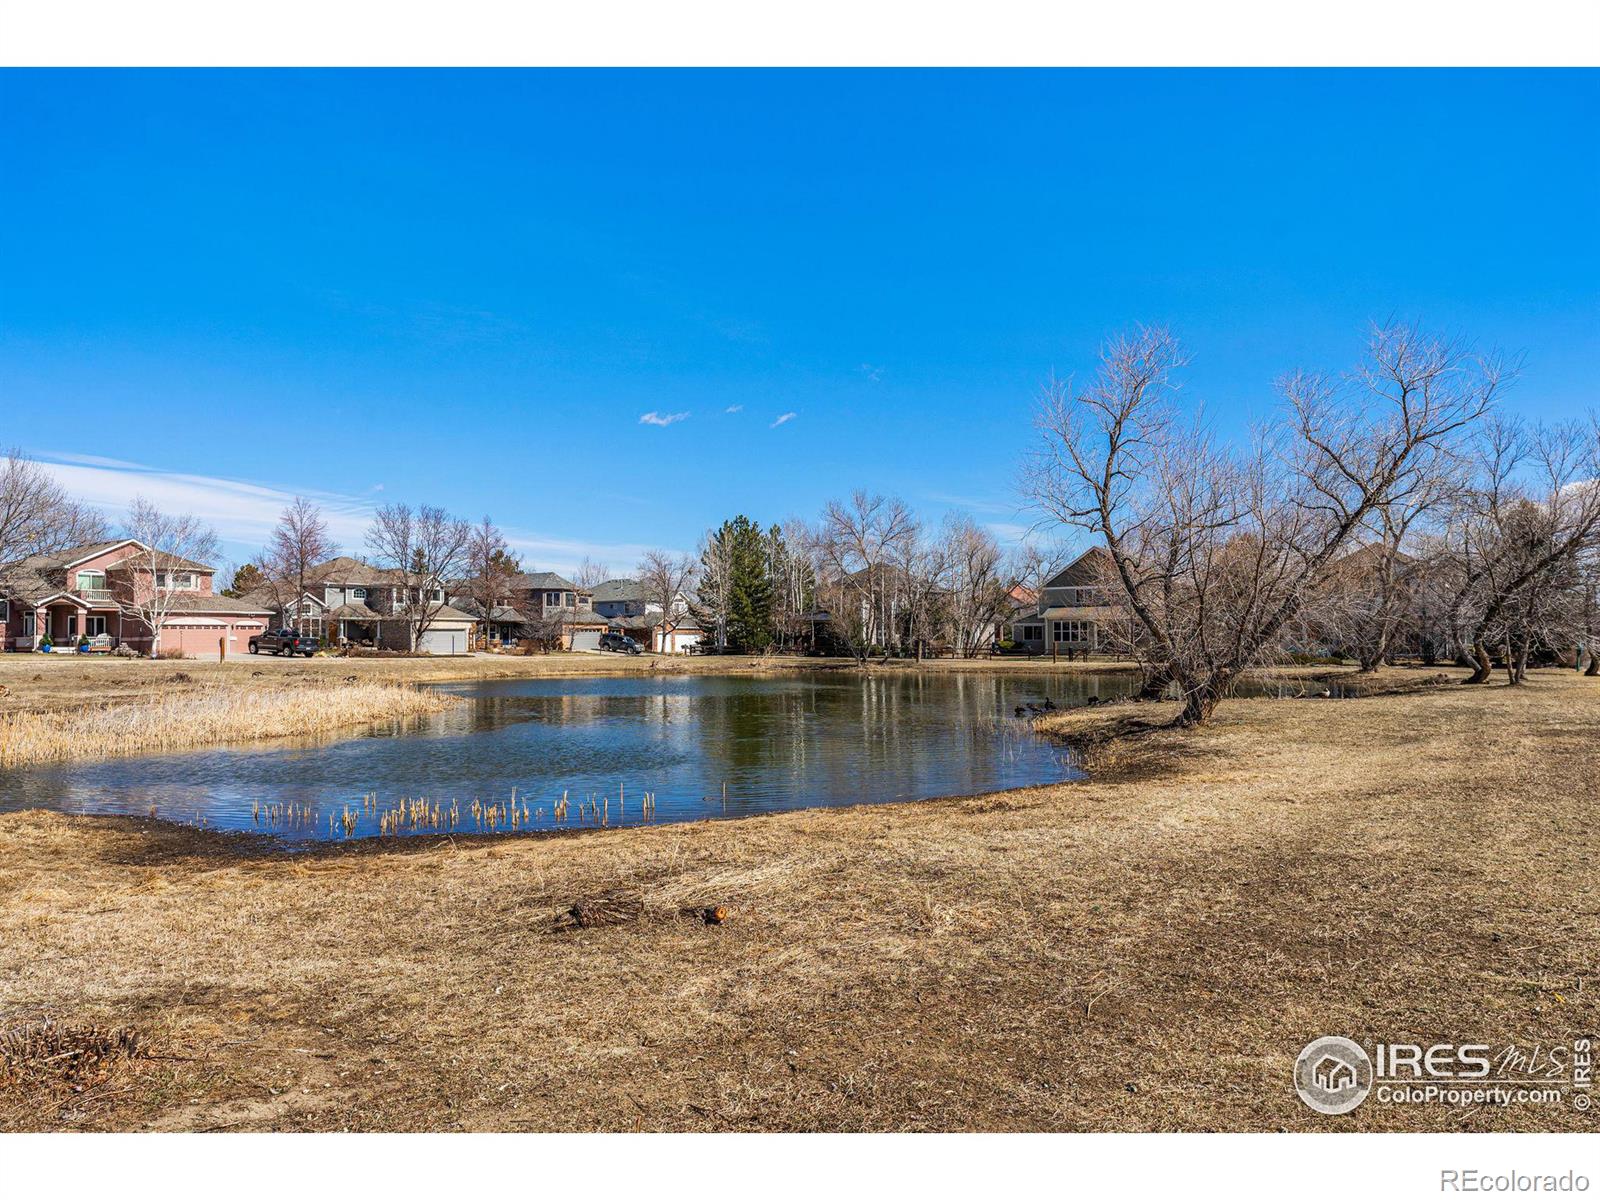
(1333, 1075)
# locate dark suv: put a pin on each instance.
(620, 642)
(283, 641)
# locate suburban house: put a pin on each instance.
(538, 603)
(86, 591)
(627, 610)
(355, 603)
(1073, 612)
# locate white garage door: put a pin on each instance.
(444, 641)
(586, 639)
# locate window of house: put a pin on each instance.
(1069, 631)
(358, 593)
(175, 581)
(572, 600)
(5, 610)
(438, 595)
(27, 623)
(94, 626)
(1031, 633)
(91, 581)
(553, 599)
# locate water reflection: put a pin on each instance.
(773, 743)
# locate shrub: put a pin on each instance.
(172, 653)
(123, 650)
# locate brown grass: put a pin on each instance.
(1146, 951)
(43, 681)
(187, 718)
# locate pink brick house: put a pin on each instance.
(83, 592)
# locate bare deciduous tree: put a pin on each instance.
(423, 549)
(666, 580)
(171, 548)
(590, 573)
(859, 544)
(793, 571)
(490, 569)
(977, 588)
(298, 545)
(1522, 540)
(36, 514)
(1216, 548)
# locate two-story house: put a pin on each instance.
(549, 599)
(90, 591)
(537, 603)
(1073, 611)
(351, 602)
(627, 609)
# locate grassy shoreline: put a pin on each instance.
(209, 716)
(1148, 949)
(42, 681)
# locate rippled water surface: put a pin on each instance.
(792, 741)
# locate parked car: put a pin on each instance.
(283, 641)
(620, 642)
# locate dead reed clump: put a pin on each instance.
(183, 720)
(608, 908)
(46, 1051)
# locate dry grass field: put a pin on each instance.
(1145, 951)
(206, 715)
(50, 681)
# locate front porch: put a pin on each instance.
(69, 622)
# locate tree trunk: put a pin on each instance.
(1154, 684)
(1594, 664)
(1482, 666)
(1200, 702)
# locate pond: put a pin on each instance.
(701, 746)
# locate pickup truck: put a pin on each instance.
(283, 641)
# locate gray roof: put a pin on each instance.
(353, 612)
(446, 613)
(504, 614)
(651, 620)
(618, 589)
(270, 598)
(1067, 612)
(352, 572)
(541, 581)
(58, 559)
(194, 602)
(28, 586)
(576, 616)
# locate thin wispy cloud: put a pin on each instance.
(244, 513)
(1008, 532)
(663, 419)
(875, 374)
(784, 420)
(980, 504)
(733, 408)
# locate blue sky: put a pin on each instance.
(467, 288)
